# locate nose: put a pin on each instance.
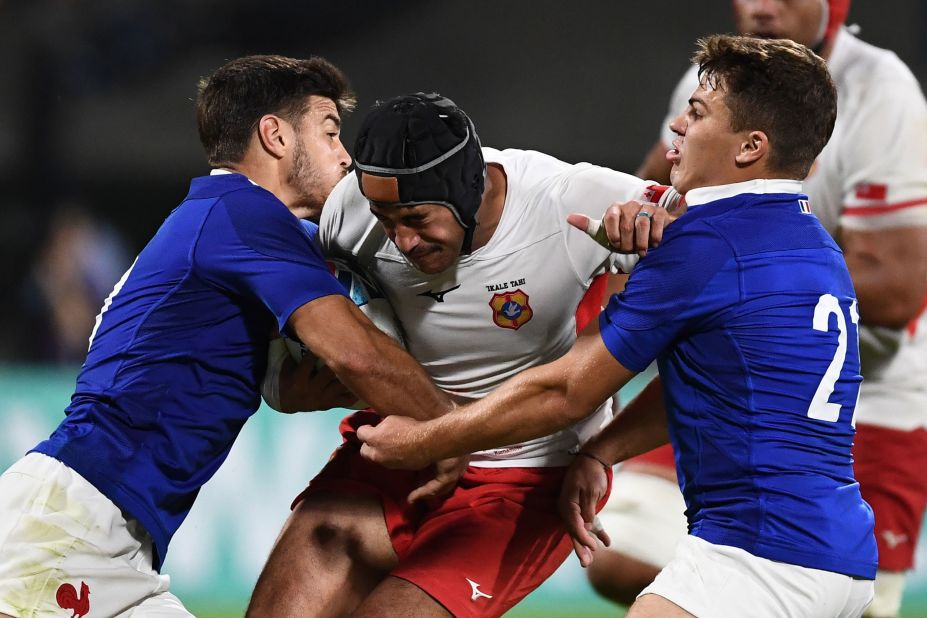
(764, 9)
(678, 124)
(406, 238)
(344, 159)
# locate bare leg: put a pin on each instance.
(333, 550)
(655, 606)
(619, 577)
(397, 597)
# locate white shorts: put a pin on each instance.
(66, 549)
(718, 581)
(645, 517)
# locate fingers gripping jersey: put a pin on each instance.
(505, 307)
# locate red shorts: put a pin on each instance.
(496, 538)
(891, 467)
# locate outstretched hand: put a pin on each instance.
(628, 227)
(584, 486)
(396, 442)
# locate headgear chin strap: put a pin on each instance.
(422, 149)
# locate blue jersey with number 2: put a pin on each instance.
(749, 310)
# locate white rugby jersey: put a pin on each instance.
(871, 175)
(505, 307)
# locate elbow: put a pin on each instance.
(578, 405)
(895, 315)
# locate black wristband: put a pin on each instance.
(596, 458)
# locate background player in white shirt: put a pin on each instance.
(485, 280)
(869, 189)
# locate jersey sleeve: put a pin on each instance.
(252, 246)
(590, 190)
(688, 283)
(885, 184)
(678, 102)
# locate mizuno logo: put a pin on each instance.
(476, 590)
(438, 297)
(892, 539)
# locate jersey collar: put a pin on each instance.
(703, 195)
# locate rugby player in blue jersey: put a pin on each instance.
(180, 348)
(748, 308)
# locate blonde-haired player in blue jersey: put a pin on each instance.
(748, 308)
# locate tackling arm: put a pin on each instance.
(640, 427)
(536, 402)
(376, 368)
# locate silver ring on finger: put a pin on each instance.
(645, 213)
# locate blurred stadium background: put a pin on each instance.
(98, 144)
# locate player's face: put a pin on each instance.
(799, 20)
(319, 159)
(705, 147)
(427, 234)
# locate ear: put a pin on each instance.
(754, 148)
(274, 134)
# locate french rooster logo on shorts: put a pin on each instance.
(510, 309)
(68, 599)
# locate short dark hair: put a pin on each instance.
(776, 86)
(231, 101)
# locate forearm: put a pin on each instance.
(641, 426)
(376, 368)
(535, 403)
(531, 405)
(394, 383)
(889, 272)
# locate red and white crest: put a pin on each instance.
(510, 309)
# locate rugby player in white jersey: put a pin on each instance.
(868, 187)
(472, 249)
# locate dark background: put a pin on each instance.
(96, 96)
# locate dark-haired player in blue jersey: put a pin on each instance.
(180, 347)
(749, 310)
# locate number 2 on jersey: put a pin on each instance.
(828, 305)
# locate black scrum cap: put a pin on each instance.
(421, 149)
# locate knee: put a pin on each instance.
(618, 577)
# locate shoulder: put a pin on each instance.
(524, 167)
(529, 170)
(346, 210)
(869, 73)
(252, 212)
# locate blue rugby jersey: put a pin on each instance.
(179, 349)
(749, 309)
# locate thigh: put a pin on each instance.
(496, 539)
(718, 581)
(397, 597)
(66, 547)
(164, 605)
(339, 541)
